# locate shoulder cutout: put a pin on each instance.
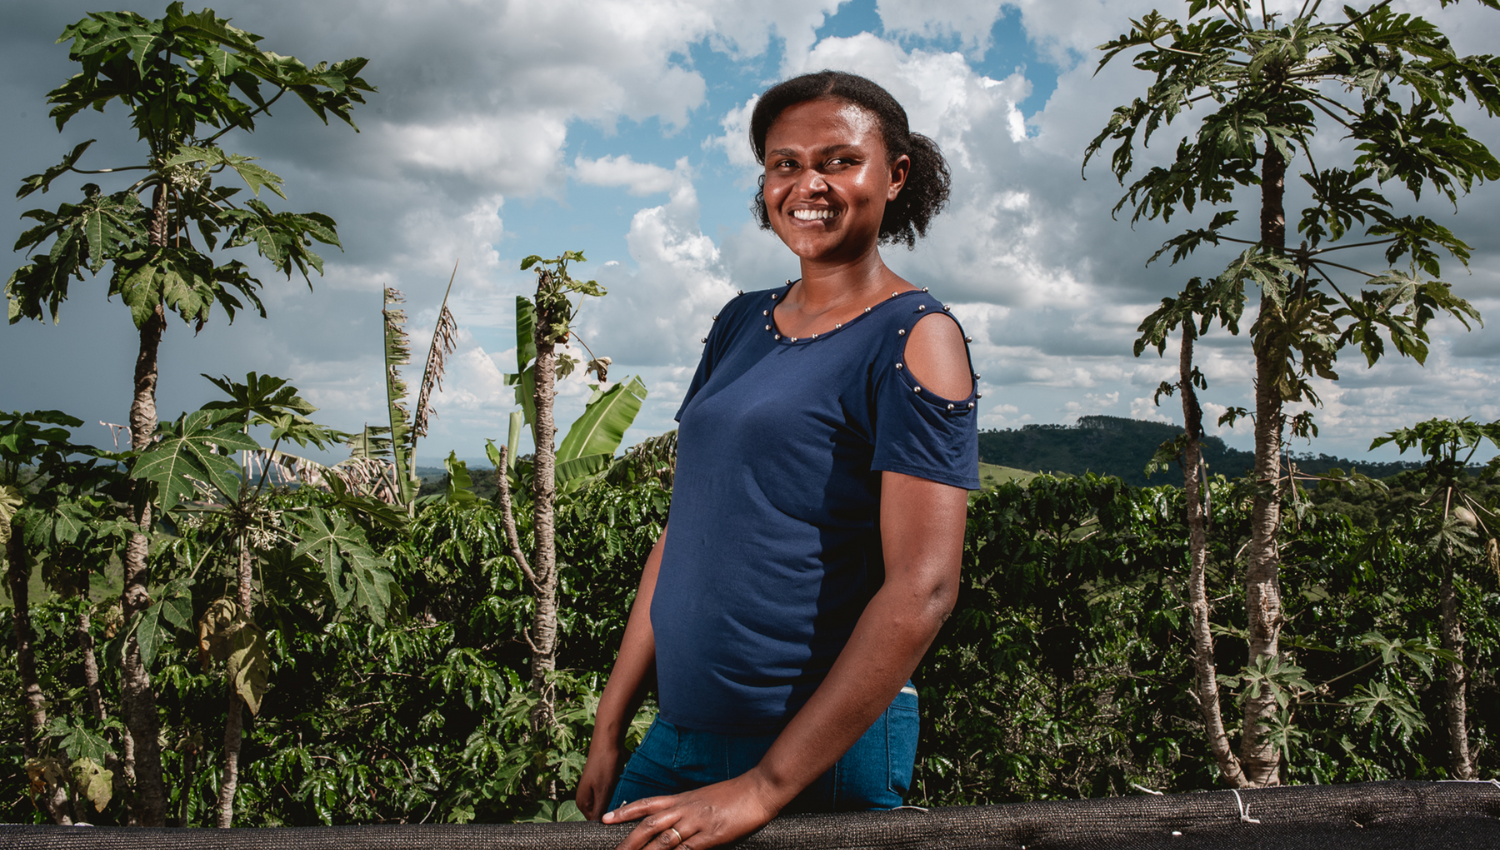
(938, 358)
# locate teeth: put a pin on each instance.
(812, 215)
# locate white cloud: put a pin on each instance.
(968, 22)
(638, 178)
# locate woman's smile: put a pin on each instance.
(828, 179)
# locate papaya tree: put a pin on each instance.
(186, 80)
(1259, 91)
(1457, 531)
(203, 467)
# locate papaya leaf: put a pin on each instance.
(191, 450)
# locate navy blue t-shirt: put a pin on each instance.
(773, 542)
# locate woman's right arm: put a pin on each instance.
(628, 683)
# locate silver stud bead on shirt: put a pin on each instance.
(898, 366)
(901, 332)
(921, 307)
(950, 406)
(916, 389)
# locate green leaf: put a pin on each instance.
(148, 633)
(192, 450)
(602, 426)
(571, 473)
(355, 574)
(249, 666)
(93, 783)
(460, 483)
(525, 361)
(10, 502)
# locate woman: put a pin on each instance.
(812, 550)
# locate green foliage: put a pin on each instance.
(1124, 448)
(1062, 672)
(1258, 93)
(180, 75)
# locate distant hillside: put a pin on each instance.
(1113, 445)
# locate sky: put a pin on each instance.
(503, 129)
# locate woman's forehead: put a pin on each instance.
(825, 116)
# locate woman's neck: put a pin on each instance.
(852, 283)
(830, 294)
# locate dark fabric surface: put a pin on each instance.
(773, 544)
(1421, 815)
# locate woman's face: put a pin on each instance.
(828, 179)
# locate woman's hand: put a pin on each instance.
(699, 819)
(599, 774)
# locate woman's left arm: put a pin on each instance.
(922, 533)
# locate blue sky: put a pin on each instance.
(617, 127)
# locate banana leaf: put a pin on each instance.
(602, 426)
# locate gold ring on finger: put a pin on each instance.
(676, 834)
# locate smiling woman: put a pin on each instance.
(826, 445)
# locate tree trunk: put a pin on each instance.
(1207, 683)
(136, 698)
(544, 562)
(1455, 680)
(234, 725)
(85, 633)
(1258, 755)
(54, 796)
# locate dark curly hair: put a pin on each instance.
(926, 189)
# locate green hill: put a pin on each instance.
(1113, 445)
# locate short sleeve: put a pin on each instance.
(712, 345)
(920, 434)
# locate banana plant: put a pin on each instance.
(398, 440)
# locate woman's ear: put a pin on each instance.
(900, 169)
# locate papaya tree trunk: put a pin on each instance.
(1455, 679)
(544, 562)
(136, 698)
(54, 795)
(1206, 686)
(234, 725)
(1259, 756)
(84, 630)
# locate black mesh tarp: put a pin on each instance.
(1406, 815)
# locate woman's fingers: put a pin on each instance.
(703, 818)
(637, 809)
(658, 831)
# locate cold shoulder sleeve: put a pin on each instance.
(918, 432)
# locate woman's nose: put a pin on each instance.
(811, 183)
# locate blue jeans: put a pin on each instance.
(874, 774)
